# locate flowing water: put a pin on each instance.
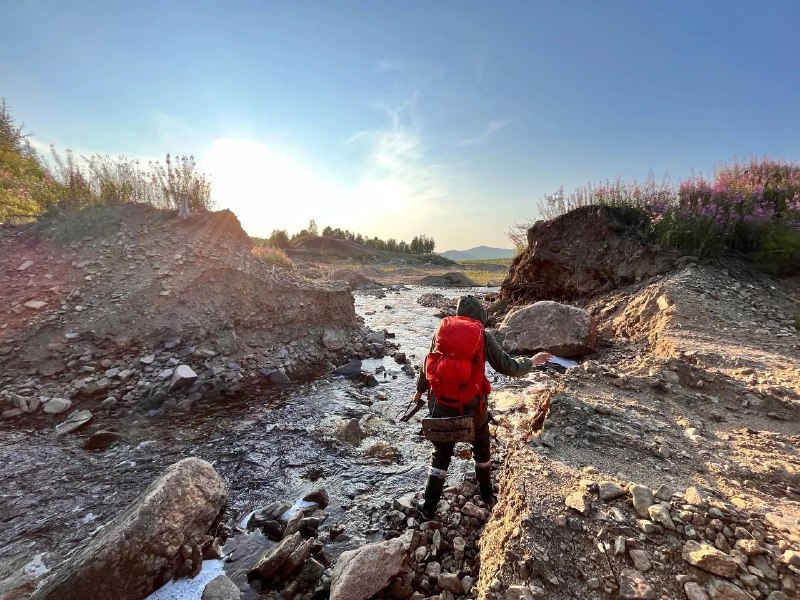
(276, 447)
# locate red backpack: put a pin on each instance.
(454, 368)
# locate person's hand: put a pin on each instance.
(541, 358)
(417, 397)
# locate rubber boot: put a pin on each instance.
(483, 473)
(433, 491)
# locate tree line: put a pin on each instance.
(419, 244)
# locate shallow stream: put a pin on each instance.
(277, 447)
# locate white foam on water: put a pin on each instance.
(189, 589)
(297, 506)
(245, 519)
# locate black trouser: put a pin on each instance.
(443, 451)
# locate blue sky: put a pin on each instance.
(396, 118)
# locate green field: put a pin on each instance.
(488, 270)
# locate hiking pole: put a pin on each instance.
(410, 412)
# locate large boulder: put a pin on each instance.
(141, 548)
(588, 251)
(551, 327)
(362, 573)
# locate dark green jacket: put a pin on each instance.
(469, 306)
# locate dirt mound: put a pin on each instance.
(110, 301)
(585, 252)
(356, 280)
(328, 247)
(452, 279)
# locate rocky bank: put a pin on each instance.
(131, 308)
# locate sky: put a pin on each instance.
(397, 118)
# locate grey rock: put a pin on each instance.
(221, 588)
(640, 560)
(642, 499)
(182, 377)
(381, 561)
(660, 514)
(11, 413)
(350, 369)
(141, 545)
(75, 420)
(608, 490)
(706, 557)
(450, 582)
(270, 562)
(561, 329)
(693, 591)
(334, 339)
(725, 590)
(56, 406)
(633, 586)
(349, 431)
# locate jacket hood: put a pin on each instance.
(470, 306)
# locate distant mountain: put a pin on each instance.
(478, 253)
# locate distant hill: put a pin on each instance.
(478, 253)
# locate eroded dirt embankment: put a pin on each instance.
(682, 432)
(109, 303)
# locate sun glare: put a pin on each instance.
(267, 190)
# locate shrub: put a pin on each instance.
(778, 249)
(30, 187)
(279, 239)
(747, 208)
(272, 256)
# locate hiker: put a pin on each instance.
(459, 349)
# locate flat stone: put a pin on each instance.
(24, 266)
(725, 590)
(77, 419)
(51, 368)
(35, 304)
(706, 557)
(56, 406)
(633, 586)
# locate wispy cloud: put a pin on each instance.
(397, 176)
(485, 135)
